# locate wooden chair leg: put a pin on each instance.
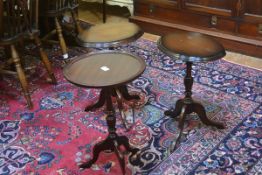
(45, 60)
(78, 28)
(21, 76)
(61, 38)
(8, 55)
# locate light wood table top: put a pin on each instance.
(111, 34)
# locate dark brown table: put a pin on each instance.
(190, 47)
(110, 71)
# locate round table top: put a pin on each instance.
(103, 69)
(191, 47)
(110, 34)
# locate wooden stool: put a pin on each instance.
(109, 35)
(190, 47)
(110, 71)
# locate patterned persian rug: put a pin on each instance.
(56, 135)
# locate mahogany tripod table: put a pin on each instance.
(110, 71)
(190, 47)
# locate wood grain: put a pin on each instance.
(104, 69)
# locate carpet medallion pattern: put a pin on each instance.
(57, 134)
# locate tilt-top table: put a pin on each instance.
(190, 47)
(110, 71)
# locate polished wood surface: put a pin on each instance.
(109, 34)
(109, 70)
(113, 142)
(104, 69)
(191, 46)
(235, 23)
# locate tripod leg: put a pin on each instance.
(134, 158)
(181, 126)
(100, 103)
(121, 108)
(124, 91)
(123, 140)
(174, 113)
(104, 145)
(200, 110)
(120, 158)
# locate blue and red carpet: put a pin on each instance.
(56, 135)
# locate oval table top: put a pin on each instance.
(110, 34)
(103, 69)
(191, 47)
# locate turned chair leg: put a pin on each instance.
(78, 28)
(8, 55)
(21, 76)
(61, 38)
(45, 60)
